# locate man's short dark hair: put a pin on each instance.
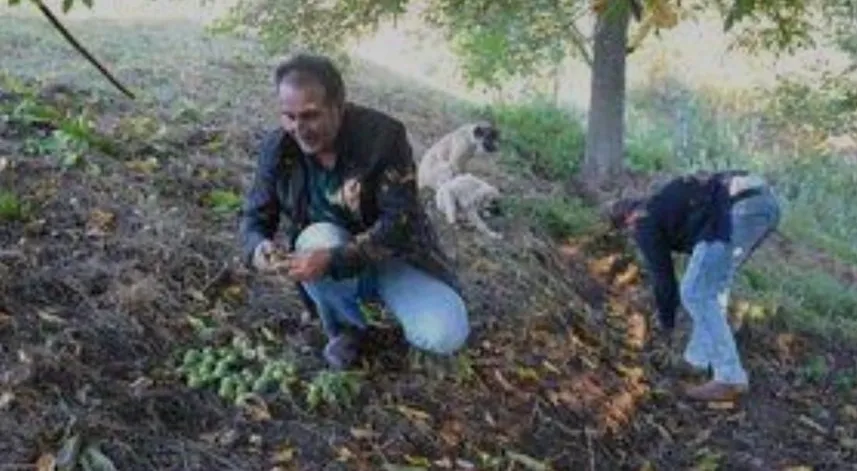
(617, 211)
(304, 68)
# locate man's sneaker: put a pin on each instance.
(341, 351)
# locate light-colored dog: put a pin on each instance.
(467, 194)
(442, 167)
(449, 156)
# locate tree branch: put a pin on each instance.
(579, 42)
(71, 39)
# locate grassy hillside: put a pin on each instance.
(117, 255)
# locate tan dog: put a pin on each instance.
(467, 194)
(448, 157)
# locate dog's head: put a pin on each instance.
(485, 136)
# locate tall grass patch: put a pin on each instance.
(547, 140)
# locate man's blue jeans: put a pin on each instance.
(710, 272)
(432, 314)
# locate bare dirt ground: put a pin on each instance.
(121, 258)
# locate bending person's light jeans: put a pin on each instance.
(433, 316)
(710, 272)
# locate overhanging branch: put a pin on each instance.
(82, 50)
(579, 42)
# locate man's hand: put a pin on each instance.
(310, 265)
(265, 257)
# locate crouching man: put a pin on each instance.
(343, 179)
(719, 219)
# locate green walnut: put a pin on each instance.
(227, 389)
(261, 384)
(195, 381)
(191, 357)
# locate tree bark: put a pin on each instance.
(605, 134)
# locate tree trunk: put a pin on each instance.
(605, 134)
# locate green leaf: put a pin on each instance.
(739, 10)
(88, 3)
(12, 3)
(224, 201)
(66, 5)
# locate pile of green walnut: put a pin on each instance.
(237, 370)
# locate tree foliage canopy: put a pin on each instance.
(501, 39)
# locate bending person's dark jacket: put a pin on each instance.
(686, 211)
(374, 152)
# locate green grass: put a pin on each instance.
(550, 138)
(559, 216)
(11, 207)
(807, 300)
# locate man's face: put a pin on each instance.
(307, 116)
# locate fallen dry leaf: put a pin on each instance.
(527, 374)
(490, 419)
(100, 223)
(396, 467)
(139, 385)
(284, 455)
(526, 461)
(812, 424)
(16, 375)
(504, 383)
(848, 443)
(563, 397)
(46, 462)
(197, 295)
(415, 415)
(551, 367)
(256, 407)
(463, 464)
(344, 454)
(361, 434)
(234, 292)
(420, 461)
(700, 439)
(451, 431)
(849, 412)
(222, 437)
(721, 405)
(6, 399)
(269, 335)
(146, 166)
(50, 317)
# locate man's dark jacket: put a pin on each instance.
(374, 152)
(686, 211)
